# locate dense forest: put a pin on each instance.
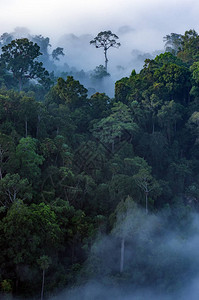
(93, 187)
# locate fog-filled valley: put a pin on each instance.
(99, 151)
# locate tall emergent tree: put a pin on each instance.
(105, 40)
(19, 57)
(44, 262)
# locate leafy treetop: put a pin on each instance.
(105, 40)
(19, 57)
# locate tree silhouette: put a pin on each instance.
(105, 40)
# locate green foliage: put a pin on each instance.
(44, 262)
(99, 73)
(100, 105)
(13, 187)
(109, 129)
(168, 58)
(6, 286)
(20, 58)
(69, 93)
(29, 159)
(122, 89)
(7, 154)
(28, 232)
(74, 168)
(189, 49)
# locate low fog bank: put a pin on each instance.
(159, 259)
(97, 291)
(160, 263)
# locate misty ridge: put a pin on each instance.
(82, 61)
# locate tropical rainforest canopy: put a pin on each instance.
(75, 168)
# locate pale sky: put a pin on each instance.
(57, 17)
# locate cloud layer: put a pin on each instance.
(151, 19)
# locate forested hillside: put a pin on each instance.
(89, 183)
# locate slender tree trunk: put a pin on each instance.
(17, 279)
(122, 255)
(42, 288)
(106, 59)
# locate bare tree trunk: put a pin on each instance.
(106, 59)
(42, 288)
(122, 256)
(17, 279)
